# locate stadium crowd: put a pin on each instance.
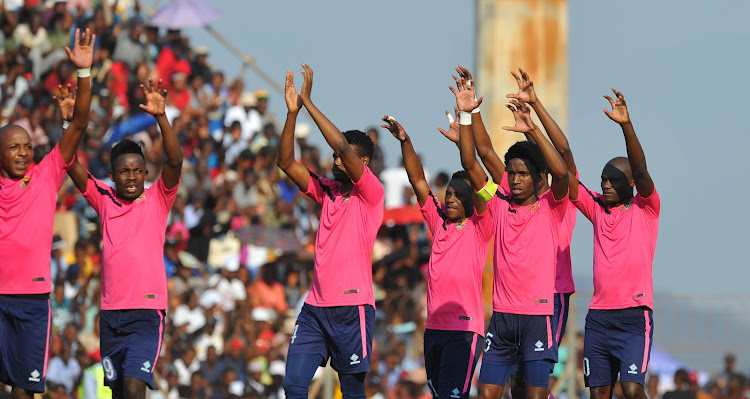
(240, 238)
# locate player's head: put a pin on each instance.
(617, 182)
(361, 144)
(15, 151)
(526, 168)
(128, 169)
(459, 202)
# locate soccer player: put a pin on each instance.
(134, 285)
(27, 205)
(520, 336)
(619, 325)
(453, 338)
(337, 318)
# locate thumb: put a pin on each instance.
(479, 102)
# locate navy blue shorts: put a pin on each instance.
(130, 344)
(24, 341)
(560, 318)
(343, 333)
(617, 341)
(450, 358)
(516, 343)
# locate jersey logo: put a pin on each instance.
(34, 376)
(38, 279)
(25, 181)
(461, 225)
(533, 208)
(488, 341)
(456, 393)
(149, 296)
(146, 366)
(633, 369)
(351, 292)
(354, 359)
(294, 333)
(539, 346)
(464, 317)
(636, 296)
(140, 198)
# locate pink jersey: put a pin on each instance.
(133, 274)
(525, 252)
(454, 274)
(27, 214)
(346, 234)
(624, 245)
(563, 270)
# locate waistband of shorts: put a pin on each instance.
(39, 297)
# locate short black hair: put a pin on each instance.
(461, 174)
(462, 186)
(125, 146)
(362, 141)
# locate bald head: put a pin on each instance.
(15, 151)
(623, 165)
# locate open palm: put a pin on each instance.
(82, 55)
(619, 111)
(454, 128)
(155, 98)
(526, 91)
(522, 117)
(394, 127)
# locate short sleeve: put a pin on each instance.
(587, 202)
(319, 188)
(651, 204)
(431, 214)
(166, 196)
(95, 193)
(53, 168)
(369, 188)
(483, 225)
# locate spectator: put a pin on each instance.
(63, 369)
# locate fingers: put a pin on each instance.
(619, 95)
(459, 83)
(449, 116)
(68, 52)
(611, 101)
(518, 80)
(516, 96)
(164, 93)
(143, 88)
(455, 109)
(71, 91)
(524, 75)
(443, 132)
(454, 91)
(289, 78)
(92, 39)
(59, 91)
(511, 108)
(479, 102)
(77, 37)
(609, 114)
(466, 72)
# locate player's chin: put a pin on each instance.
(339, 174)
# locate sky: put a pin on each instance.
(682, 66)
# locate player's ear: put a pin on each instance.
(365, 160)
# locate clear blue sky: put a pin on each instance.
(682, 66)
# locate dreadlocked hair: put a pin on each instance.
(532, 156)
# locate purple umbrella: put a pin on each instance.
(184, 14)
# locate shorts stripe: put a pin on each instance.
(363, 329)
(161, 336)
(560, 318)
(549, 331)
(648, 342)
(469, 368)
(46, 346)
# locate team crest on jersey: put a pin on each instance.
(461, 225)
(141, 198)
(25, 181)
(535, 207)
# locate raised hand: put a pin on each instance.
(155, 98)
(454, 128)
(66, 100)
(465, 95)
(293, 100)
(526, 91)
(82, 55)
(394, 127)
(619, 111)
(307, 83)
(465, 75)
(522, 116)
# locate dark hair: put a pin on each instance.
(532, 156)
(464, 192)
(125, 146)
(362, 141)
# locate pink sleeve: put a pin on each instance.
(52, 168)
(430, 213)
(166, 196)
(650, 204)
(483, 223)
(95, 193)
(558, 207)
(369, 188)
(318, 188)
(586, 202)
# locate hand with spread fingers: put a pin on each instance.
(619, 111)
(155, 98)
(526, 91)
(82, 55)
(66, 100)
(453, 132)
(464, 92)
(522, 116)
(394, 127)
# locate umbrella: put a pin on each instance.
(184, 14)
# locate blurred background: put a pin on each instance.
(240, 236)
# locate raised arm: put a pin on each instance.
(82, 56)
(527, 94)
(466, 103)
(555, 164)
(482, 141)
(66, 101)
(636, 157)
(352, 163)
(285, 160)
(413, 165)
(155, 104)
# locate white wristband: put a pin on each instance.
(464, 118)
(475, 111)
(84, 73)
(65, 124)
